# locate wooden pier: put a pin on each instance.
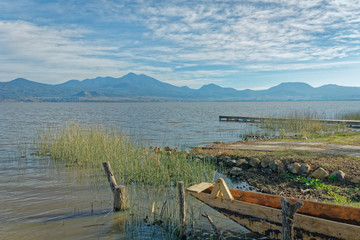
(348, 123)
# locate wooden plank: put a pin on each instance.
(345, 214)
(329, 211)
(267, 221)
(199, 187)
(351, 123)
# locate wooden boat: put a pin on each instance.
(262, 213)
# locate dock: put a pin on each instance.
(348, 123)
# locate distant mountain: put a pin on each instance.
(133, 87)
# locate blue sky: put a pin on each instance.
(240, 44)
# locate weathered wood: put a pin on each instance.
(345, 214)
(288, 211)
(268, 221)
(221, 187)
(119, 191)
(119, 198)
(110, 175)
(182, 208)
(199, 187)
(349, 123)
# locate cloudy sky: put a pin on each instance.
(241, 44)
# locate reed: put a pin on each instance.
(89, 146)
(350, 116)
(301, 124)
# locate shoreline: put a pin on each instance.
(268, 166)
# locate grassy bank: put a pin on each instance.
(348, 138)
(89, 146)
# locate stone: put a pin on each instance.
(355, 180)
(254, 162)
(243, 164)
(266, 170)
(235, 171)
(304, 169)
(294, 168)
(265, 162)
(320, 173)
(340, 175)
(274, 165)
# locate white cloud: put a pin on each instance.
(165, 36)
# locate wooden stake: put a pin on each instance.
(119, 191)
(288, 212)
(110, 175)
(182, 208)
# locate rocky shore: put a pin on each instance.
(292, 173)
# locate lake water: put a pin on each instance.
(41, 200)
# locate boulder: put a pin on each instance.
(274, 165)
(229, 162)
(265, 162)
(243, 164)
(340, 175)
(254, 162)
(320, 173)
(294, 168)
(304, 169)
(235, 171)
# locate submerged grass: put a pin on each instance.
(89, 146)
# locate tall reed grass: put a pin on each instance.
(132, 162)
(350, 116)
(300, 123)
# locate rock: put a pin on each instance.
(355, 180)
(265, 162)
(243, 164)
(340, 175)
(266, 170)
(294, 168)
(320, 173)
(228, 161)
(254, 162)
(235, 171)
(274, 165)
(304, 169)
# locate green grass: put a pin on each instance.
(348, 138)
(89, 146)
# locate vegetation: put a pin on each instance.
(89, 146)
(350, 116)
(300, 124)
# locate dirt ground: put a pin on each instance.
(331, 157)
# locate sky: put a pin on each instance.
(240, 44)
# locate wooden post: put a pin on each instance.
(182, 208)
(288, 212)
(110, 175)
(119, 191)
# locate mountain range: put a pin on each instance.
(133, 87)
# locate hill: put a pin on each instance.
(133, 87)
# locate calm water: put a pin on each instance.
(39, 200)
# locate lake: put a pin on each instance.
(40, 199)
